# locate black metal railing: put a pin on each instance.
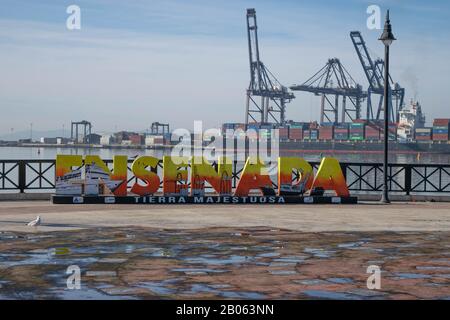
(28, 175)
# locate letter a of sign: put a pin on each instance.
(73, 22)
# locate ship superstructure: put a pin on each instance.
(410, 118)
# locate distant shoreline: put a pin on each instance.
(84, 146)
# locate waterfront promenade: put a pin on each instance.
(366, 216)
(225, 251)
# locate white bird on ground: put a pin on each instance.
(36, 222)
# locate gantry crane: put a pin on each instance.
(333, 82)
(159, 128)
(87, 131)
(263, 84)
(374, 71)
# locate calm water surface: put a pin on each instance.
(50, 153)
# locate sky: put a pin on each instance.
(135, 62)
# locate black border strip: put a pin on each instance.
(159, 199)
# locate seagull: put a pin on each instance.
(36, 222)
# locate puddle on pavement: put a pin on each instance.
(198, 270)
(234, 259)
(323, 294)
(205, 288)
(87, 294)
(351, 245)
(340, 280)
(402, 276)
(159, 288)
(282, 272)
(311, 282)
(268, 255)
(118, 262)
(445, 268)
(319, 253)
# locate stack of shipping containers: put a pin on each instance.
(283, 132)
(392, 127)
(423, 134)
(306, 134)
(326, 131)
(341, 131)
(296, 131)
(356, 131)
(313, 134)
(265, 130)
(440, 129)
(227, 126)
(372, 133)
(393, 131)
(252, 130)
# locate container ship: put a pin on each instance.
(409, 135)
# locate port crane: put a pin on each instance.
(263, 84)
(334, 83)
(87, 131)
(158, 128)
(374, 71)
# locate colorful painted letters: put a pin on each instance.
(182, 176)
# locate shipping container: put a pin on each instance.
(356, 136)
(441, 122)
(253, 126)
(154, 140)
(313, 125)
(295, 133)
(372, 133)
(283, 132)
(326, 133)
(341, 126)
(341, 136)
(306, 134)
(299, 125)
(440, 137)
(314, 134)
(423, 134)
(136, 139)
(356, 131)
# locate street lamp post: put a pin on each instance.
(387, 38)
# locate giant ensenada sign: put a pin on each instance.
(183, 180)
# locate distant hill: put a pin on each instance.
(36, 135)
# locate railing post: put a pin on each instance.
(22, 176)
(408, 178)
(344, 170)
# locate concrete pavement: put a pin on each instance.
(310, 218)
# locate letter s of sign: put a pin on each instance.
(73, 21)
(374, 20)
(74, 280)
(374, 280)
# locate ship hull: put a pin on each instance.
(363, 147)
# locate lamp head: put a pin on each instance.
(387, 37)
